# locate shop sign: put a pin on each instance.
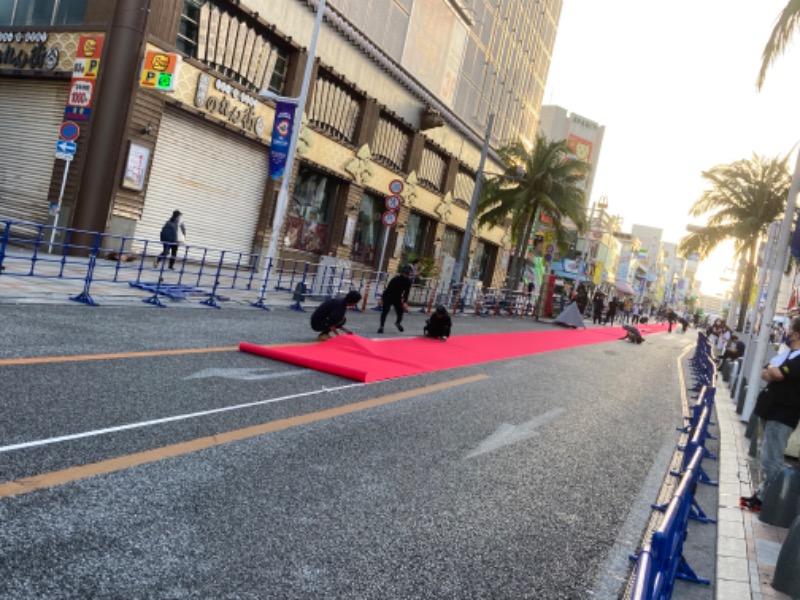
(17, 55)
(160, 70)
(228, 105)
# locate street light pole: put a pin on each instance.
(776, 272)
(300, 102)
(581, 266)
(458, 268)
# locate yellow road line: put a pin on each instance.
(39, 360)
(56, 478)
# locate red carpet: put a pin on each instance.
(366, 360)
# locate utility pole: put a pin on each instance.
(458, 268)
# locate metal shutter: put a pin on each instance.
(215, 179)
(32, 114)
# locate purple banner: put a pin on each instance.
(281, 136)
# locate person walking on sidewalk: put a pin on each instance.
(329, 317)
(396, 296)
(778, 406)
(173, 233)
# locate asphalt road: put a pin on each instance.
(528, 478)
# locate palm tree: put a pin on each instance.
(785, 26)
(745, 197)
(546, 180)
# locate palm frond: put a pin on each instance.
(785, 26)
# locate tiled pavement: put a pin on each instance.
(747, 549)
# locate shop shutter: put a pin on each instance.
(213, 177)
(30, 118)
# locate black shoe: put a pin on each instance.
(399, 327)
(380, 329)
(753, 504)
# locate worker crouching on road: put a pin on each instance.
(439, 324)
(329, 317)
(632, 334)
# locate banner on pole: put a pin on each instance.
(281, 137)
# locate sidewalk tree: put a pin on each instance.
(545, 180)
(785, 26)
(745, 197)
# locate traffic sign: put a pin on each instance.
(66, 147)
(69, 131)
(65, 156)
(389, 218)
(396, 186)
(392, 202)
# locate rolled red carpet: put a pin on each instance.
(367, 360)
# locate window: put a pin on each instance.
(419, 235)
(188, 29)
(451, 242)
(231, 45)
(41, 13)
(310, 211)
(370, 231)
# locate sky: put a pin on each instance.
(674, 85)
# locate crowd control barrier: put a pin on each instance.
(91, 260)
(660, 561)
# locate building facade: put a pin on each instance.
(584, 136)
(389, 102)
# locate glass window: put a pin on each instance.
(70, 12)
(188, 29)
(34, 12)
(6, 13)
(31, 13)
(370, 231)
(419, 233)
(311, 211)
(451, 242)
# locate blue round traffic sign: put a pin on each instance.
(69, 131)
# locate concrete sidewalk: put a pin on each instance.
(747, 549)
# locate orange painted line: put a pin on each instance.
(38, 360)
(56, 478)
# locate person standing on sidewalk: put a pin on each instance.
(173, 233)
(396, 296)
(778, 406)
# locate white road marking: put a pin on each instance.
(241, 374)
(141, 424)
(511, 434)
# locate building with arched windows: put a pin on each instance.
(400, 91)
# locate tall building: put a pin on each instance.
(400, 95)
(584, 136)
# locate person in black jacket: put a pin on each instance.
(778, 406)
(439, 324)
(329, 317)
(396, 296)
(172, 234)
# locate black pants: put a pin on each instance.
(169, 248)
(387, 306)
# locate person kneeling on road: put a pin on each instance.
(329, 317)
(632, 334)
(439, 324)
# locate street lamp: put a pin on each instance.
(300, 102)
(458, 268)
